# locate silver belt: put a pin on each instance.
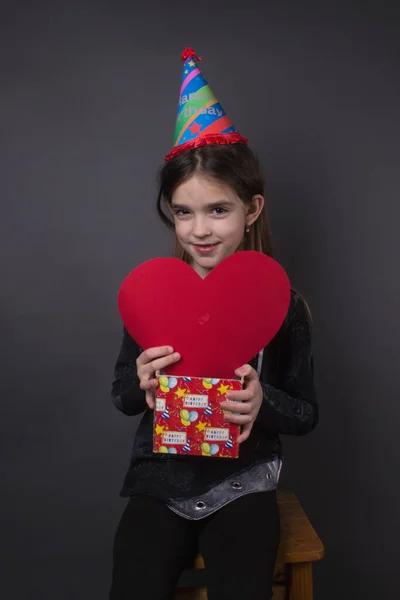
(262, 477)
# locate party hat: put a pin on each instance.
(201, 119)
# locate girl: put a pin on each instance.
(212, 196)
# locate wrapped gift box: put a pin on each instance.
(188, 418)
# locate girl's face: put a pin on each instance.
(210, 220)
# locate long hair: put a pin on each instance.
(233, 164)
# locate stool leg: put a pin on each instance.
(301, 586)
(190, 594)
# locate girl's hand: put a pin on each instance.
(150, 361)
(246, 402)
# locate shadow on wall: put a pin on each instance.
(321, 466)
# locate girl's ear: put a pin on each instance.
(254, 209)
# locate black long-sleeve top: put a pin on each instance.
(289, 406)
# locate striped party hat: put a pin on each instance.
(165, 414)
(186, 447)
(201, 119)
(229, 443)
(208, 410)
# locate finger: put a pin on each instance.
(147, 371)
(151, 354)
(239, 395)
(245, 433)
(246, 371)
(238, 419)
(238, 407)
(149, 384)
(151, 399)
(161, 363)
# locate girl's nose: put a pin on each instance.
(201, 228)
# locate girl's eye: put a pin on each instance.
(220, 210)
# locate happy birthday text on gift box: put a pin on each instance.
(188, 418)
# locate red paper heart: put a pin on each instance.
(218, 323)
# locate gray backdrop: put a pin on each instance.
(88, 102)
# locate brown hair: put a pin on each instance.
(234, 164)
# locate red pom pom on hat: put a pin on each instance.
(189, 53)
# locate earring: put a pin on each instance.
(247, 229)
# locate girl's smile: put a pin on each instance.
(205, 249)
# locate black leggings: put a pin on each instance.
(239, 544)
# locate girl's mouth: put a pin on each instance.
(205, 249)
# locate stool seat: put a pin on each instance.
(299, 548)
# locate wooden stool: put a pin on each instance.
(300, 546)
